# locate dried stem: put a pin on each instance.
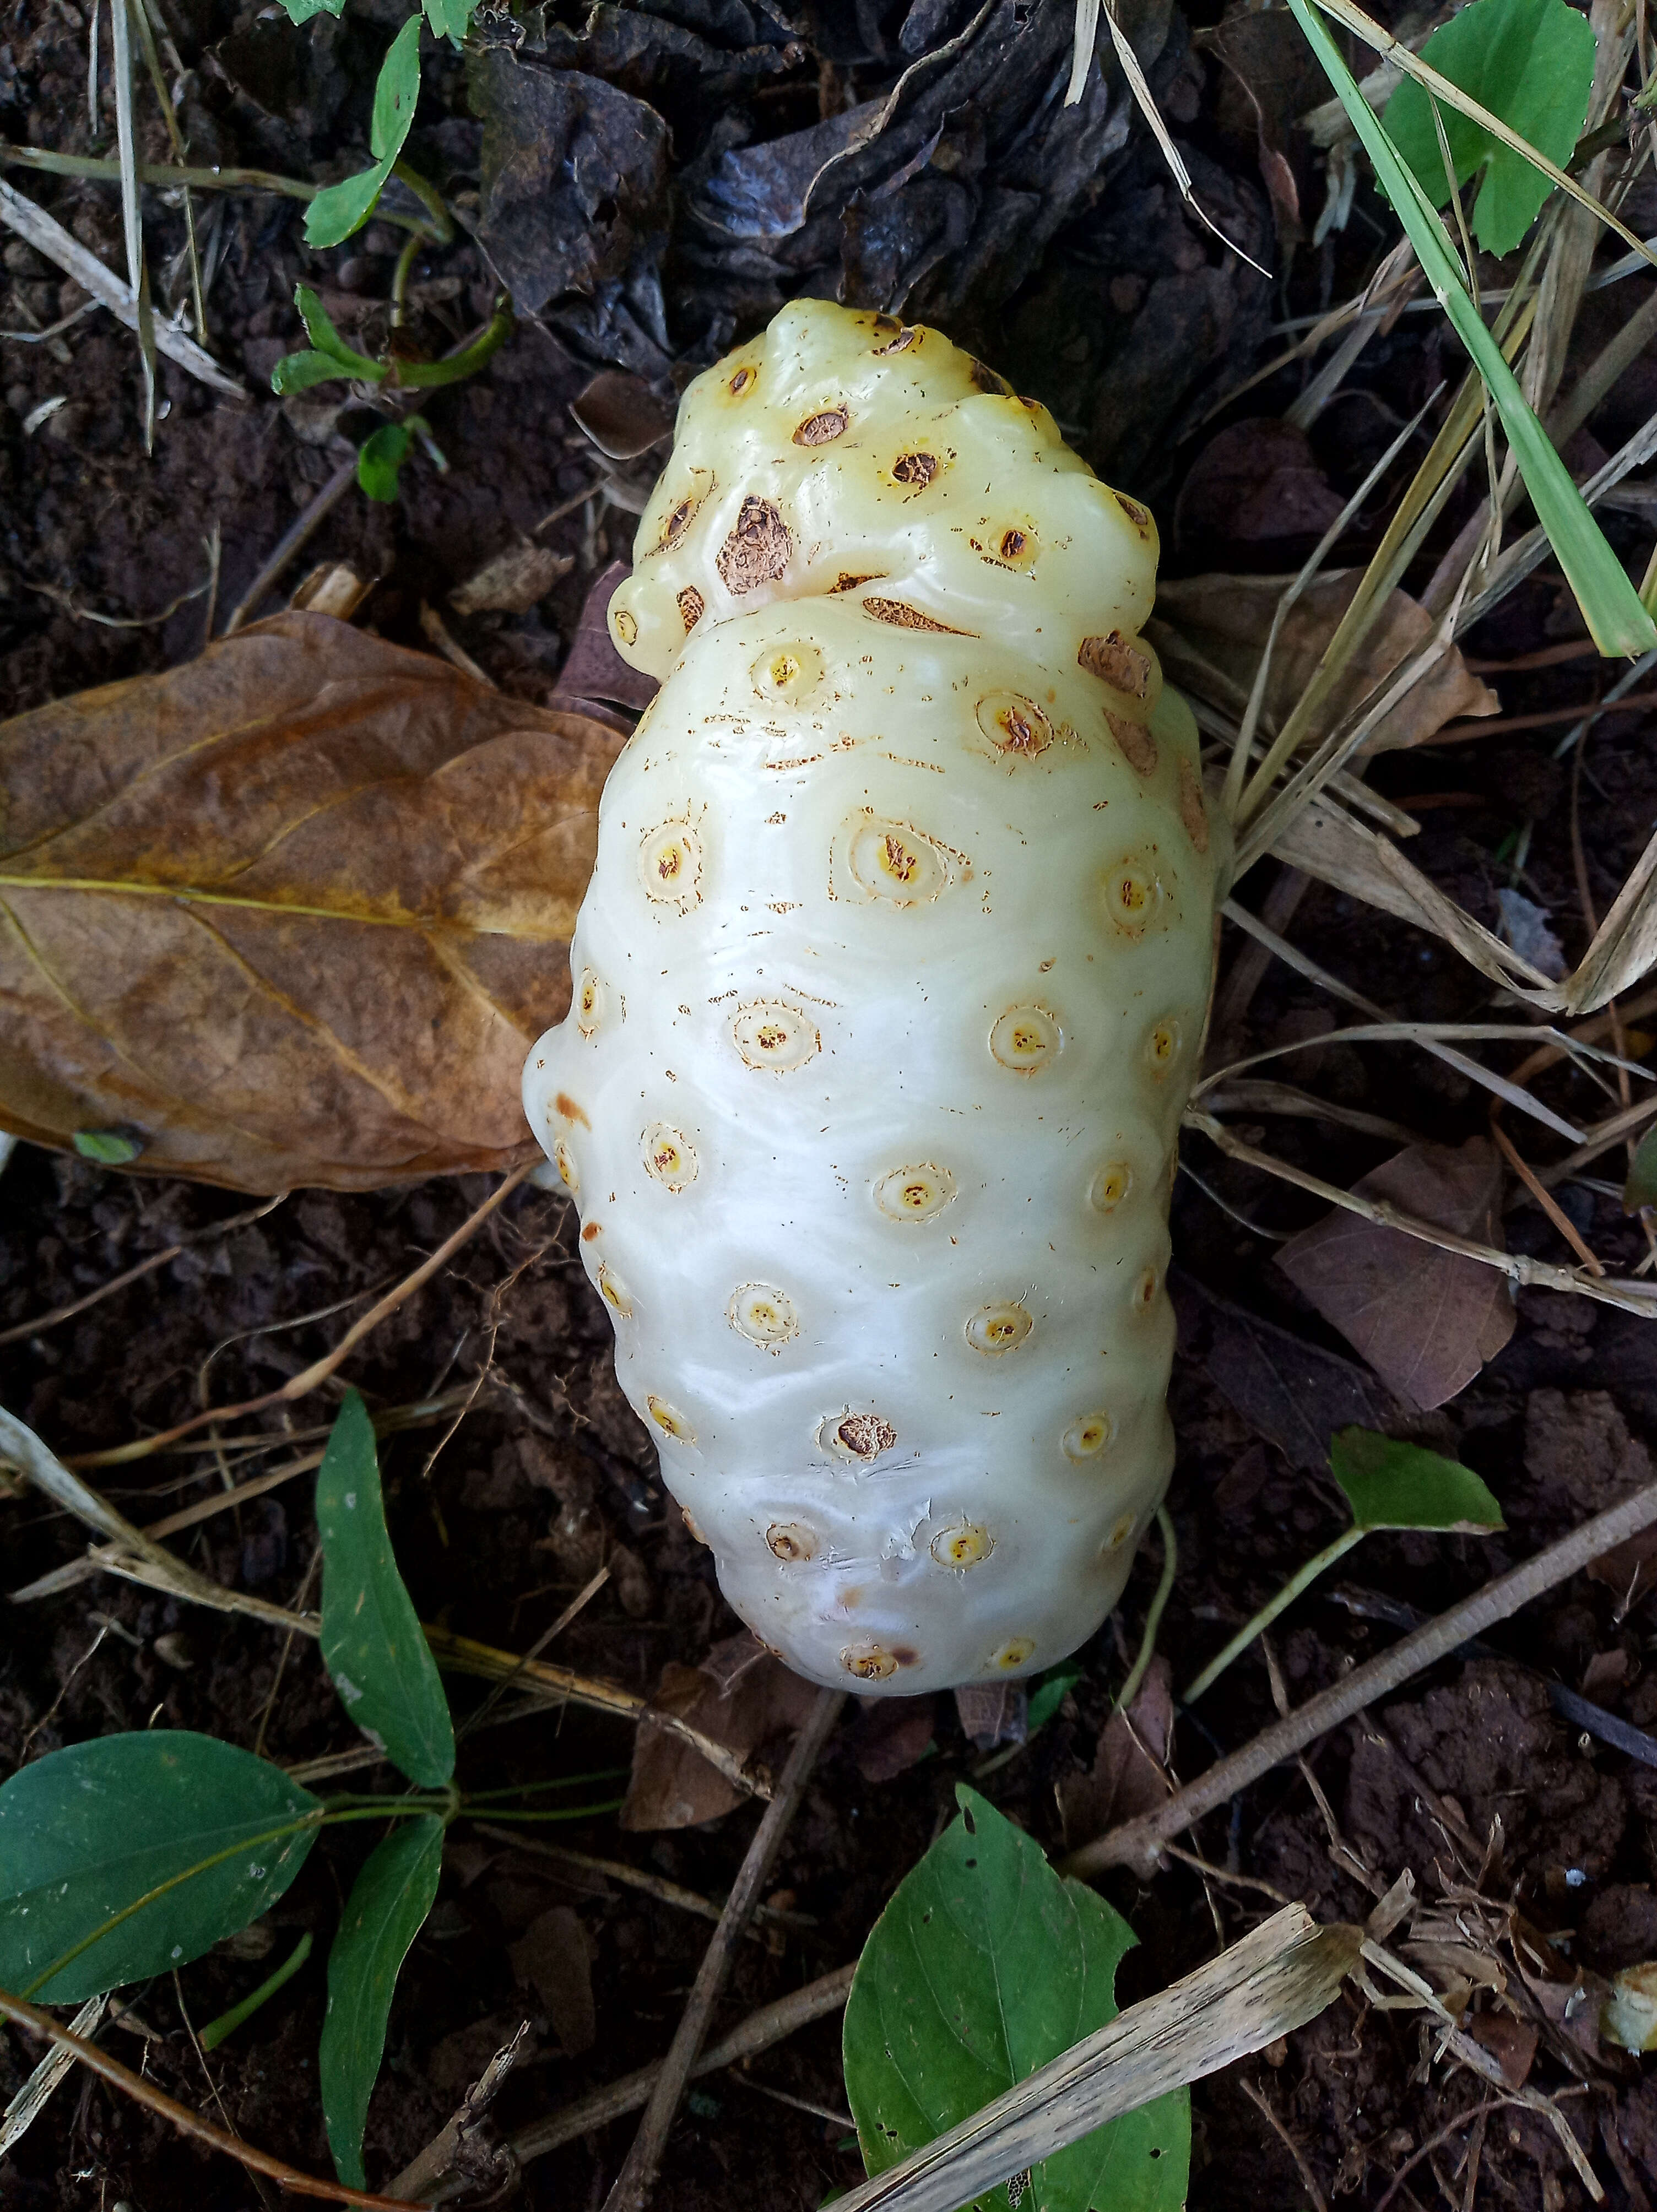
(637, 2179)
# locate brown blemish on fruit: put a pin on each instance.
(1116, 662)
(858, 1436)
(590, 1232)
(1139, 516)
(743, 382)
(756, 551)
(821, 428)
(690, 1520)
(1136, 743)
(565, 1106)
(1015, 725)
(914, 470)
(692, 607)
(848, 582)
(676, 523)
(906, 338)
(987, 380)
(564, 1160)
(1117, 1537)
(902, 615)
(870, 1662)
(792, 1540)
(1192, 813)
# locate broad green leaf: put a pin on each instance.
(109, 1147)
(449, 18)
(298, 372)
(88, 1832)
(380, 457)
(372, 1644)
(1390, 1484)
(1530, 63)
(384, 1914)
(984, 1966)
(341, 209)
(1610, 606)
(300, 11)
(1640, 1188)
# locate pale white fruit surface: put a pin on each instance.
(888, 990)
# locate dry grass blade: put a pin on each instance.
(30, 2101)
(137, 274)
(37, 228)
(1281, 1975)
(163, 99)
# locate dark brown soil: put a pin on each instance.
(549, 1469)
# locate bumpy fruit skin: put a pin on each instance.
(888, 990)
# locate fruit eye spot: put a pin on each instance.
(1137, 514)
(589, 1003)
(1013, 1653)
(1014, 726)
(892, 861)
(963, 1547)
(615, 1293)
(1162, 1046)
(1088, 1437)
(763, 1315)
(1110, 1185)
(914, 1193)
(788, 672)
(821, 428)
(868, 1663)
(1117, 1537)
(1025, 1039)
(915, 470)
(626, 628)
(671, 1423)
(669, 1157)
(857, 1436)
(676, 523)
(1134, 893)
(670, 867)
(1145, 1291)
(743, 382)
(564, 1160)
(995, 1329)
(792, 1540)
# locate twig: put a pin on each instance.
(181, 2115)
(299, 533)
(632, 1877)
(1308, 2180)
(768, 2025)
(37, 227)
(1137, 1672)
(46, 1320)
(448, 2146)
(1136, 1843)
(1544, 1197)
(633, 2185)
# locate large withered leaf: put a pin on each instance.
(292, 914)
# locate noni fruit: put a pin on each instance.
(888, 990)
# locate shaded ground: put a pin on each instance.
(1132, 320)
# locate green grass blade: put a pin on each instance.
(1610, 606)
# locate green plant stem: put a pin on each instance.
(399, 277)
(228, 2022)
(530, 1788)
(442, 222)
(1301, 1579)
(566, 1813)
(1137, 1672)
(426, 375)
(205, 180)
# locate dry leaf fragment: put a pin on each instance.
(1129, 1772)
(1210, 631)
(1426, 1320)
(513, 583)
(891, 1733)
(553, 1958)
(741, 1697)
(292, 914)
(622, 415)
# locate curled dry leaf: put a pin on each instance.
(513, 583)
(1211, 630)
(1129, 1773)
(1425, 1319)
(742, 1697)
(292, 914)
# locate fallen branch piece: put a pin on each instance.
(1136, 1843)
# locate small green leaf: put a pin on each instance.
(984, 1966)
(1530, 63)
(1640, 1188)
(449, 18)
(298, 372)
(109, 1147)
(372, 1644)
(1049, 1694)
(318, 326)
(341, 209)
(300, 11)
(87, 1833)
(384, 1914)
(380, 457)
(1390, 1484)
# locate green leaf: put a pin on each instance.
(341, 209)
(1390, 1484)
(109, 1147)
(1049, 1694)
(984, 1966)
(449, 18)
(298, 372)
(1530, 63)
(380, 456)
(388, 1903)
(372, 1643)
(88, 1832)
(1618, 622)
(1640, 1188)
(300, 11)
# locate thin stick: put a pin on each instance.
(1135, 1842)
(46, 1320)
(320, 1370)
(631, 1877)
(637, 2176)
(768, 2025)
(1549, 1205)
(1137, 1672)
(181, 2115)
(1308, 2180)
(298, 534)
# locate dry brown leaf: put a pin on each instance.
(1210, 631)
(891, 1733)
(1129, 1772)
(551, 1958)
(741, 1697)
(292, 914)
(513, 583)
(1425, 1319)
